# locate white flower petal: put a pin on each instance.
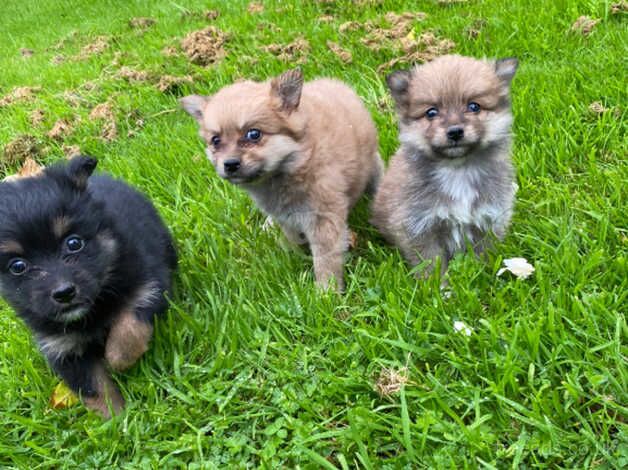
(518, 266)
(462, 327)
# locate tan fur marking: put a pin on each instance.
(11, 246)
(108, 396)
(60, 226)
(128, 341)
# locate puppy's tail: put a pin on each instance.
(376, 175)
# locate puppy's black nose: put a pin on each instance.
(455, 133)
(64, 293)
(232, 165)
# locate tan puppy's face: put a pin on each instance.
(249, 127)
(453, 105)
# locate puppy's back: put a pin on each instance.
(340, 110)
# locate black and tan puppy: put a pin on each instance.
(452, 181)
(86, 262)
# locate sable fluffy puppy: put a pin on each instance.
(86, 263)
(452, 180)
(304, 153)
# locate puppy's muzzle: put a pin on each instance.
(64, 293)
(455, 133)
(231, 165)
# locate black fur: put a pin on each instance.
(126, 246)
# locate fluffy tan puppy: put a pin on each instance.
(452, 181)
(305, 153)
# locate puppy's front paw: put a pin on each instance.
(106, 398)
(127, 342)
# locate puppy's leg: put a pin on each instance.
(294, 236)
(375, 176)
(132, 329)
(428, 247)
(329, 242)
(86, 375)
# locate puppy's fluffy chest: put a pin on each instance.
(284, 200)
(461, 198)
(461, 203)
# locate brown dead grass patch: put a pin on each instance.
(169, 51)
(354, 240)
(205, 47)
(584, 25)
(101, 111)
(211, 14)
(171, 83)
(70, 150)
(105, 112)
(37, 116)
(18, 150)
(100, 44)
(473, 30)
(401, 25)
(28, 169)
(341, 53)
(350, 26)
(390, 381)
(326, 18)
(255, 7)
(23, 93)
(61, 43)
(61, 129)
(109, 131)
(142, 22)
(132, 75)
(73, 99)
(619, 7)
(25, 52)
(426, 47)
(296, 51)
(597, 107)
(268, 26)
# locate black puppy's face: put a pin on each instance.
(56, 250)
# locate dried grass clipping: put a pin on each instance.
(390, 381)
(23, 93)
(341, 53)
(584, 25)
(18, 150)
(205, 47)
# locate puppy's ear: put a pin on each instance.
(286, 90)
(506, 68)
(399, 82)
(194, 105)
(80, 169)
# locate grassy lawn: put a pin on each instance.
(255, 367)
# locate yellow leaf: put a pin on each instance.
(62, 397)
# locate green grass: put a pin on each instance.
(255, 367)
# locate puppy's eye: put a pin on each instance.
(74, 244)
(473, 107)
(253, 135)
(431, 113)
(215, 141)
(18, 266)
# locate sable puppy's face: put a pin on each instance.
(55, 248)
(250, 128)
(454, 105)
